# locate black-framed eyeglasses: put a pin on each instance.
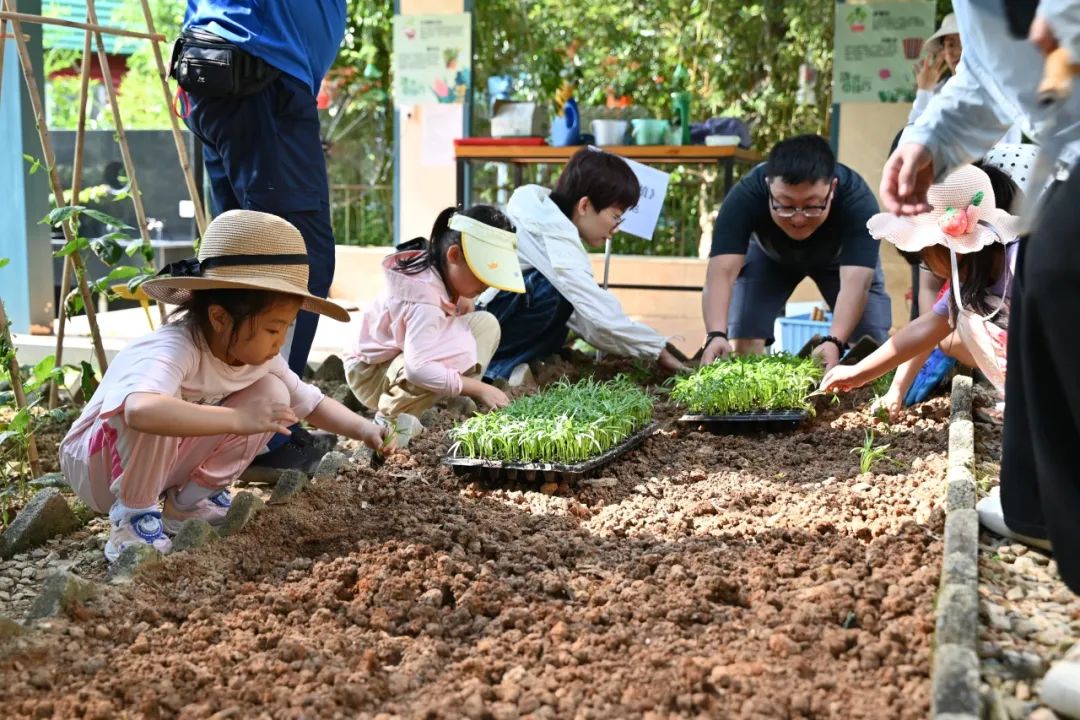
(808, 211)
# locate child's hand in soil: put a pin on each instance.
(891, 402)
(842, 378)
(377, 437)
(669, 363)
(492, 397)
(263, 416)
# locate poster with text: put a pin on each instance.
(431, 57)
(876, 47)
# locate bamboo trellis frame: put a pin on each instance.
(95, 32)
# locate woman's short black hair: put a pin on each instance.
(801, 159)
(604, 178)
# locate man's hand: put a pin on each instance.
(829, 354)
(906, 177)
(715, 349)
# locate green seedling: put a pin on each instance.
(378, 458)
(748, 384)
(869, 453)
(566, 423)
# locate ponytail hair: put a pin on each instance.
(434, 250)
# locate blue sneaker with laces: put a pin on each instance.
(145, 528)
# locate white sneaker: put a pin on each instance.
(145, 528)
(1061, 685)
(992, 517)
(211, 509)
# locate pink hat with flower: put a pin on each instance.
(965, 217)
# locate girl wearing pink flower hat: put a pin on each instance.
(968, 239)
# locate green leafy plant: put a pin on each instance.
(747, 384)
(566, 423)
(869, 454)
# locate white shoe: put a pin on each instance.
(992, 517)
(1061, 685)
(522, 376)
(145, 528)
(211, 509)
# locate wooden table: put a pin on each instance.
(518, 156)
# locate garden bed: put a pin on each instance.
(739, 577)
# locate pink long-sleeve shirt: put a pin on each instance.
(414, 316)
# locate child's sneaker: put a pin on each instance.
(212, 509)
(145, 528)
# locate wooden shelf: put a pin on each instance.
(530, 154)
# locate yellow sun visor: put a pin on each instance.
(490, 252)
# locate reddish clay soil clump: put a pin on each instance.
(736, 577)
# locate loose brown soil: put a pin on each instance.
(738, 577)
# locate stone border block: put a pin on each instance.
(955, 675)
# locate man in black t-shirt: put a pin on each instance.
(800, 214)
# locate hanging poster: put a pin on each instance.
(875, 48)
(431, 58)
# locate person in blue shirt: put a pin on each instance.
(800, 214)
(262, 147)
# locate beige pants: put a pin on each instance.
(384, 387)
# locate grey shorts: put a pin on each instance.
(764, 286)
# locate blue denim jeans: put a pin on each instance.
(263, 152)
(533, 324)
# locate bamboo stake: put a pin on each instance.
(58, 190)
(3, 45)
(178, 138)
(76, 187)
(17, 17)
(17, 387)
(121, 137)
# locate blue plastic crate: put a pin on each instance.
(796, 330)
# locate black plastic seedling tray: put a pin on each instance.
(748, 422)
(497, 470)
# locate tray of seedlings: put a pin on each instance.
(757, 393)
(566, 431)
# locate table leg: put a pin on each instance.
(518, 175)
(729, 173)
(461, 190)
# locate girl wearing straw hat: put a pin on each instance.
(420, 339)
(967, 238)
(183, 411)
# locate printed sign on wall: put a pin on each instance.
(431, 58)
(875, 49)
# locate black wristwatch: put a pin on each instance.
(835, 341)
(712, 335)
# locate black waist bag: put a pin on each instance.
(203, 64)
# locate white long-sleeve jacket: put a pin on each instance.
(549, 242)
(995, 85)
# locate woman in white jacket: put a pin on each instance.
(587, 204)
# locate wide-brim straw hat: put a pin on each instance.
(935, 42)
(244, 250)
(490, 252)
(955, 194)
